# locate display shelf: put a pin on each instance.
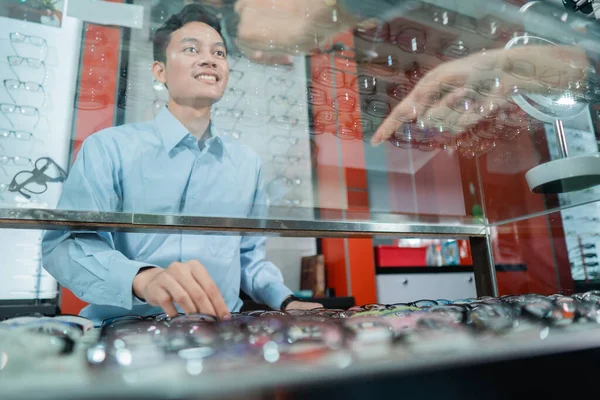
(538, 18)
(373, 224)
(70, 377)
(13, 308)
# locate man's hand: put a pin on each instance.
(287, 27)
(186, 284)
(460, 93)
(302, 305)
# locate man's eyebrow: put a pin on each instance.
(191, 39)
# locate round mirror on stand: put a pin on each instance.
(565, 174)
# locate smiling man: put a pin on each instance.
(176, 164)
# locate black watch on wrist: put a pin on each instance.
(286, 302)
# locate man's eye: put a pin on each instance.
(190, 49)
(220, 53)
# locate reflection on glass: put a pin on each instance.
(417, 71)
(377, 31)
(377, 108)
(438, 85)
(36, 181)
(412, 39)
(454, 50)
(434, 79)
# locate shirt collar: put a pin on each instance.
(172, 132)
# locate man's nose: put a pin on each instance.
(206, 60)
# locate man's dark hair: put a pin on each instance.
(190, 13)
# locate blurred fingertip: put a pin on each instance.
(376, 141)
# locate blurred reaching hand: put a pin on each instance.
(460, 93)
(286, 27)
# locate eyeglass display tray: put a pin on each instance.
(500, 367)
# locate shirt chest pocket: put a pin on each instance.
(154, 190)
(223, 247)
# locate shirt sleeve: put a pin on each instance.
(86, 262)
(261, 280)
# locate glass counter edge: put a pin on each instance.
(347, 224)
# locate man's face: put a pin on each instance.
(196, 70)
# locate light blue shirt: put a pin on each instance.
(158, 167)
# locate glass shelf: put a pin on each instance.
(368, 226)
(309, 122)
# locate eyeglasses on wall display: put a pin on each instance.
(33, 113)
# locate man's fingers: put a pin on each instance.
(179, 294)
(240, 5)
(261, 57)
(253, 34)
(211, 293)
(300, 305)
(457, 111)
(162, 298)
(484, 108)
(195, 292)
(386, 130)
(214, 295)
(250, 36)
(408, 111)
(204, 303)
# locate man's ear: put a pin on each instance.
(159, 70)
